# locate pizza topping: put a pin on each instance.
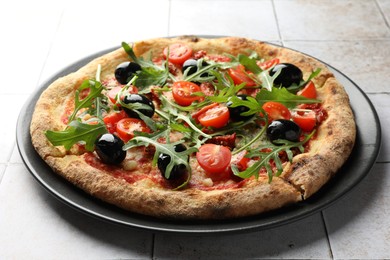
(217, 117)
(109, 149)
(306, 119)
(214, 159)
(283, 129)
(237, 112)
(309, 91)
(289, 74)
(178, 53)
(276, 110)
(134, 104)
(125, 71)
(184, 92)
(126, 128)
(178, 170)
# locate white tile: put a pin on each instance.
(302, 239)
(15, 156)
(253, 19)
(2, 169)
(34, 225)
(330, 20)
(385, 8)
(89, 28)
(365, 62)
(10, 106)
(359, 224)
(381, 103)
(27, 34)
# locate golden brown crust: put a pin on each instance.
(300, 179)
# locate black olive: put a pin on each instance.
(138, 98)
(193, 67)
(109, 149)
(235, 112)
(178, 170)
(283, 129)
(124, 72)
(289, 74)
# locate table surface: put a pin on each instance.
(41, 37)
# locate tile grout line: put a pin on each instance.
(277, 23)
(169, 17)
(382, 14)
(327, 235)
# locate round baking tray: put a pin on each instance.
(355, 169)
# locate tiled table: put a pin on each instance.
(41, 37)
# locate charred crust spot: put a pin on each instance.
(333, 90)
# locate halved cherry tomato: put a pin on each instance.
(127, 126)
(276, 110)
(178, 53)
(309, 91)
(217, 116)
(112, 119)
(268, 64)
(183, 91)
(239, 76)
(306, 119)
(214, 158)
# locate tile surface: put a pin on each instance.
(48, 228)
(330, 20)
(43, 37)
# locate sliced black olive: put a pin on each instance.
(138, 98)
(235, 112)
(192, 65)
(109, 149)
(124, 72)
(289, 74)
(283, 129)
(178, 170)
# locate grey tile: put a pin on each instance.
(38, 226)
(365, 62)
(253, 19)
(359, 224)
(385, 8)
(381, 103)
(330, 20)
(302, 239)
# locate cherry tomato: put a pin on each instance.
(183, 91)
(240, 161)
(217, 116)
(309, 91)
(306, 119)
(268, 64)
(214, 158)
(178, 53)
(276, 110)
(126, 127)
(239, 76)
(112, 119)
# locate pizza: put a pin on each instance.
(194, 128)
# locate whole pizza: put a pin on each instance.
(195, 128)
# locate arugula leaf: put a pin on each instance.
(149, 76)
(282, 95)
(249, 64)
(95, 91)
(264, 158)
(76, 132)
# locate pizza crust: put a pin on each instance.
(307, 173)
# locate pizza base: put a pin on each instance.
(301, 178)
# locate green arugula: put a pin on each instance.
(77, 132)
(267, 152)
(282, 95)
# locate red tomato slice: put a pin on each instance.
(112, 119)
(127, 126)
(217, 117)
(306, 119)
(276, 110)
(214, 158)
(268, 64)
(183, 91)
(239, 76)
(309, 91)
(240, 161)
(178, 53)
